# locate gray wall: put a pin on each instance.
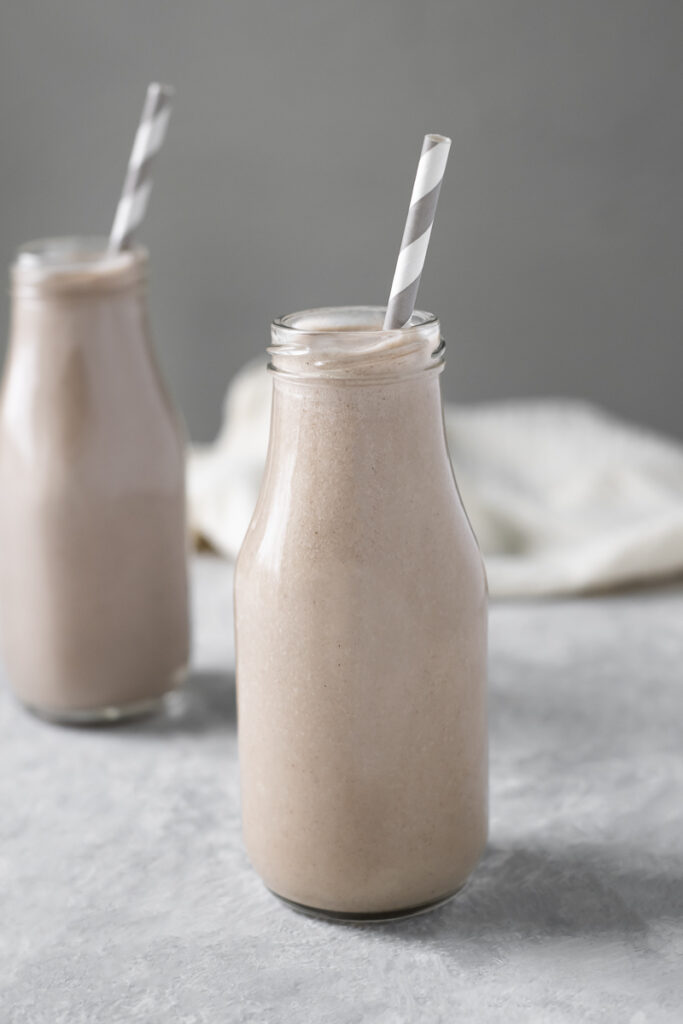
(556, 259)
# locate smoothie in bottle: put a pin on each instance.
(93, 579)
(361, 629)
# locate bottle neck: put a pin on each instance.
(73, 294)
(365, 435)
(353, 402)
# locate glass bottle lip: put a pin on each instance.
(349, 343)
(75, 263)
(310, 321)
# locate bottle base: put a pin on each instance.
(374, 917)
(110, 714)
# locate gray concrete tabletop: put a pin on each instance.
(126, 895)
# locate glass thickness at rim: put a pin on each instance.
(73, 251)
(348, 320)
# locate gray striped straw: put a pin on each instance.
(418, 228)
(138, 184)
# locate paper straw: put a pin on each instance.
(418, 228)
(138, 184)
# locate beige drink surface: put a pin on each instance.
(361, 644)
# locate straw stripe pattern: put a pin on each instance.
(138, 183)
(418, 229)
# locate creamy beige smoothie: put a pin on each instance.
(361, 629)
(93, 580)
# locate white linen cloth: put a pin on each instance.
(563, 498)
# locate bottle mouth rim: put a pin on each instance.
(349, 343)
(73, 252)
(358, 320)
(76, 263)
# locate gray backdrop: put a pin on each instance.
(556, 258)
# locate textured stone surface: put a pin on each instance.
(125, 894)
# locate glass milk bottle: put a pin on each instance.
(361, 617)
(93, 577)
